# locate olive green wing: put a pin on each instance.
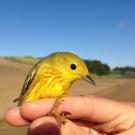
(28, 81)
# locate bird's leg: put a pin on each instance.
(54, 108)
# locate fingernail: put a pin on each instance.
(44, 129)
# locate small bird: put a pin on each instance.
(52, 77)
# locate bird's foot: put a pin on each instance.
(54, 113)
(59, 117)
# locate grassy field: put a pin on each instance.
(26, 59)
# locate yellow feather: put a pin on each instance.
(48, 83)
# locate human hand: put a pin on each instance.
(89, 116)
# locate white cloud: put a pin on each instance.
(124, 24)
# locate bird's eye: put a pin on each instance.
(73, 66)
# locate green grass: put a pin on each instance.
(112, 76)
(26, 59)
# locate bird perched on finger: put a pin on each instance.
(52, 77)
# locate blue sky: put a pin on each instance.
(94, 29)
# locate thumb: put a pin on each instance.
(44, 126)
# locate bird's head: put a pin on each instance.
(71, 66)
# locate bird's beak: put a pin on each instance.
(89, 79)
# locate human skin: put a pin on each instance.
(90, 115)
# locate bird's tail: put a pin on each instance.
(19, 100)
(16, 100)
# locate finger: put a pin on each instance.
(128, 132)
(71, 128)
(119, 124)
(87, 108)
(13, 117)
(44, 126)
(35, 109)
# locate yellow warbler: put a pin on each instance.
(53, 76)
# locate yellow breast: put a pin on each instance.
(47, 83)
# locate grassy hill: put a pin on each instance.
(25, 59)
